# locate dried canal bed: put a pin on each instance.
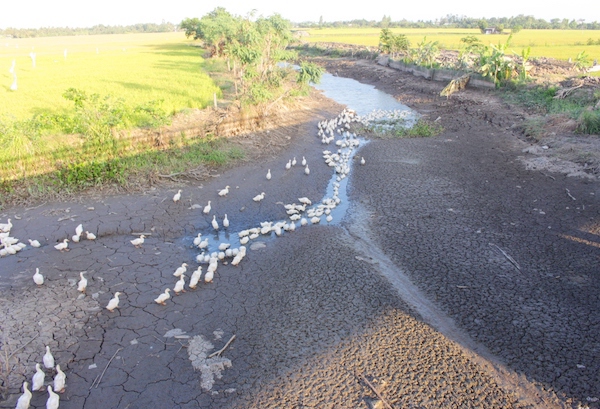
(312, 311)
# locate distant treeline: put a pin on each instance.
(519, 22)
(98, 29)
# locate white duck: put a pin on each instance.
(90, 236)
(203, 244)
(48, 359)
(215, 224)
(114, 302)
(258, 198)
(163, 297)
(307, 170)
(34, 243)
(208, 277)
(224, 192)
(75, 238)
(63, 246)
(25, 398)
(53, 399)
(305, 200)
(37, 382)
(180, 270)
(207, 208)
(362, 160)
(225, 221)
(288, 165)
(269, 174)
(139, 241)
(177, 196)
(79, 230)
(5, 227)
(303, 161)
(38, 278)
(59, 380)
(179, 285)
(82, 284)
(198, 240)
(195, 277)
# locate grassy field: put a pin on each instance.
(135, 67)
(560, 44)
(49, 148)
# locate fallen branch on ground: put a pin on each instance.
(220, 351)
(385, 402)
(563, 93)
(508, 257)
(98, 379)
(456, 85)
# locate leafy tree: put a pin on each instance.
(483, 25)
(214, 29)
(190, 25)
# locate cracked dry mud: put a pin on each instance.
(406, 291)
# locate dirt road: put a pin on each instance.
(411, 300)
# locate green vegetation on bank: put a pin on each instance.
(399, 128)
(580, 106)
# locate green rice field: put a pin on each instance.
(559, 44)
(135, 67)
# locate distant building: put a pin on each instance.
(491, 30)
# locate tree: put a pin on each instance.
(483, 25)
(214, 29)
(190, 25)
(385, 22)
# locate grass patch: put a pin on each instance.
(533, 128)
(397, 128)
(540, 99)
(122, 171)
(422, 129)
(589, 122)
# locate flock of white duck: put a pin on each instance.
(301, 213)
(38, 380)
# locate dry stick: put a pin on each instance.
(376, 391)
(62, 219)
(105, 368)
(569, 194)
(22, 346)
(508, 257)
(220, 351)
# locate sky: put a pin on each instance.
(78, 13)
